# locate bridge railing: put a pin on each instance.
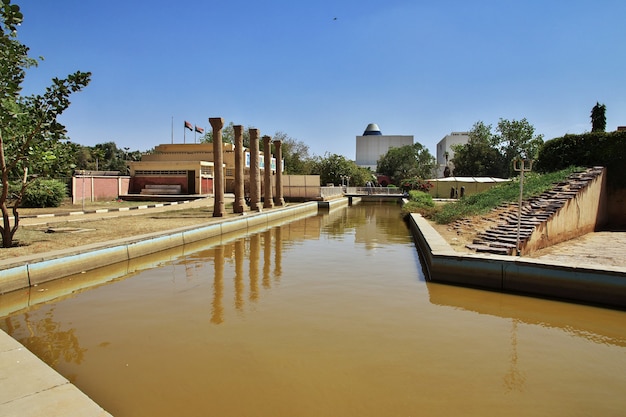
(329, 192)
(391, 191)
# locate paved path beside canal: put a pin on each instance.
(30, 388)
(600, 248)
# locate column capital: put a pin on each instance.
(216, 122)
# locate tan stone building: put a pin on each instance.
(186, 169)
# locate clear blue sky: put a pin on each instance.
(320, 71)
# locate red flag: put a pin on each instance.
(188, 125)
(199, 130)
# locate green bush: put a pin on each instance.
(421, 198)
(587, 149)
(419, 202)
(44, 193)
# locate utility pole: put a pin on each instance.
(521, 165)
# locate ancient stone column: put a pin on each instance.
(267, 173)
(217, 123)
(255, 177)
(278, 198)
(239, 206)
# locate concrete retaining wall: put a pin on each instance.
(582, 214)
(578, 283)
(38, 269)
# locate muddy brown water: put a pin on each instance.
(325, 316)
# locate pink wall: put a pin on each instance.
(98, 188)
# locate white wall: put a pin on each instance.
(445, 145)
(370, 148)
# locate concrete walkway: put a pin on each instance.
(598, 249)
(30, 388)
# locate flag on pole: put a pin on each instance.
(188, 125)
(199, 130)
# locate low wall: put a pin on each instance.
(300, 187)
(36, 269)
(98, 188)
(578, 283)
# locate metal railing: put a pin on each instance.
(389, 191)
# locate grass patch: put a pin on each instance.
(481, 203)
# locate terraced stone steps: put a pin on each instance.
(502, 237)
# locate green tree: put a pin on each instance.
(29, 128)
(332, 168)
(296, 155)
(598, 118)
(111, 157)
(489, 154)
(409, 161)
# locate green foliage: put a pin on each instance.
(419, 202)
(489, 154)
(295, 154)
(44, 193)
(416, 184)
(588, 149)
(421, 198)
(598, 118)
(481, 203)
(332, 167)
(29, 129)
(409, 161)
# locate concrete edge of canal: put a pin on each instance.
(574, 282)
(37, 269)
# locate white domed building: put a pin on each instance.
(373, 144)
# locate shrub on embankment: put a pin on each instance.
(607, 149)
(481, 203)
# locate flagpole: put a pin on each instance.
(184, 133)
(172, 130)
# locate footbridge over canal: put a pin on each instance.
(373, 193)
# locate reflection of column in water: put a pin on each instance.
(278, 253)
(255, 250)
(514, 379)
(217, 310)
(267, 255)
(239, 255)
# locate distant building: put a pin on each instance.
(187, 166)
(373, 144)
(445, 145)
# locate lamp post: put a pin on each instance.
(521, 165)
(345, 180)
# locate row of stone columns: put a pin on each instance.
(239, 206)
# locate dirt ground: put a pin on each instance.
(40, 235)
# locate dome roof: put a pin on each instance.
(372, 129)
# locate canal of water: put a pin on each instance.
(329, 315)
